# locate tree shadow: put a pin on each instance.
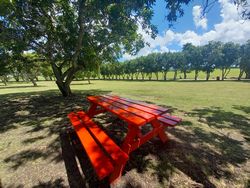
(245, 109)
(193, 151)
(218, 118)
(41, 116)
(55, 183)
(18, 87)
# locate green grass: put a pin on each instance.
(210, 148)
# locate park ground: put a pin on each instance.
(210, 148)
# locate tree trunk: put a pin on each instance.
(4, 81)
(241, 74)
(150, 77)
(247, 75)
(136, 76)
(185, 74)
(142, 75)
(175, 74)
(33, 82)
(222, 74)
(208, 75)
(64, 87)
(88, 80)
(165, 76)
(16, 78)
(196, 74)
(157, 76)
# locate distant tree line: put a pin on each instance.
(207, 58)
(214, 55)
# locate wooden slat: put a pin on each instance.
(152, 106)
(147, 116)
(129, 117)
(106, 142)
(100, 161)
(173, 118)
(167, 121)
(134, 105)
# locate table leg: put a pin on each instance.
(161, 133)
(117, 172)
(92, 109)
(133, 132)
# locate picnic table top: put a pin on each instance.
(135, 112)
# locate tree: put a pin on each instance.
(230, 54)
(70, 34)
(176, 59)
(193, 57)
(165, 64)
(31, 66)
(46, 71)
(244, 62)
(211, 55)
(4, 70)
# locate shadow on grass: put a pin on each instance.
(218, 118)
(59, 182)
(245, 109)
(197, 153)
(18, 87)
(44, 113)
(34, 108)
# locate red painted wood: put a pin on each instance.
(100, 161)
(147, 116)
(152, 106)
(122, 114)
(134, 105)
(167, 121)
(173, 118)
(106, 142)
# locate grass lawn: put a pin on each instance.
(211, 148)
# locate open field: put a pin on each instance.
(211, 148)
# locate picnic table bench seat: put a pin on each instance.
(102, 151)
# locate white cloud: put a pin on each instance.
(199, 19)
(231, 28)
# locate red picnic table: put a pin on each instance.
(105, 155)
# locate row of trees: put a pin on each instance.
(207, 58)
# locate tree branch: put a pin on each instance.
(80, 34)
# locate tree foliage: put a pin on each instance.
(192, 58)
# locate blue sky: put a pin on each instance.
(221, 23)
